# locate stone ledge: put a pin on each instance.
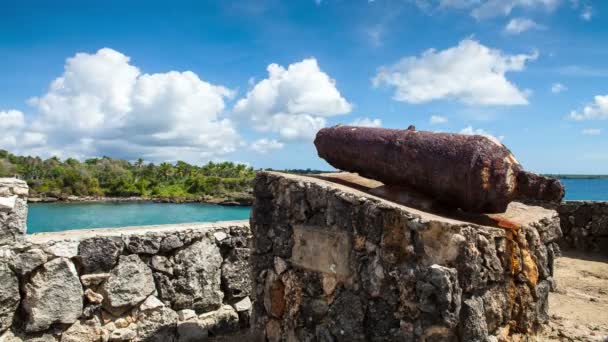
(407, 274)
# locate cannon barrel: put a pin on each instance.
(471, 172)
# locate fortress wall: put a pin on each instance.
(332, 263)
(584, 225)
(186, 282)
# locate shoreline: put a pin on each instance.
(244, 201)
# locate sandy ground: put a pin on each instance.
(579, 308)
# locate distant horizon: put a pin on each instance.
(253, 81)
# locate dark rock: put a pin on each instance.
(236, 274)
(99, 254)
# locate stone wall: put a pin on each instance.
(13, 210)
(187, 282)
(585, 225)
(335, 263)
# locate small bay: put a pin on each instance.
(50, 217)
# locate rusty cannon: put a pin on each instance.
(471, 172)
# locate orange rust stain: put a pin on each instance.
(506, 224)
(529, 267)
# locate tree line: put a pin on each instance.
(110, 177)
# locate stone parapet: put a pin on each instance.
(585, 225)
(332, 262)
(184, 282)
(13, 210)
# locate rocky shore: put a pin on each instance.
(236, 199)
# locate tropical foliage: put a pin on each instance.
(120, 178)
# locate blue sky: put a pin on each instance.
(251, 81)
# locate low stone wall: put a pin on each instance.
(584, 225)
(184, 282)
(333, 263)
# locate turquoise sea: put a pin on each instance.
(47, 217)
(50, 217)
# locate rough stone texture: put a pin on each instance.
(53, 295)
(236, 273)
(197, 277)
(99, 254)
(130, 283)
(335, 263)
(13, 210)
(28, 261)
(584, 225)
(122, 284)
(9, 296)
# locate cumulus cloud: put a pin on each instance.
(266, 145)
(469, 130)
(366, 122)
(495, 8)
(437, 120)
(520, 25)
(102, 104)
(591, 131)
(557, 88)
(596, 110)
(469, 72)
(587, 13)
(293, 102)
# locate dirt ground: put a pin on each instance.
(579, 308)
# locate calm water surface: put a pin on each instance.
(50, 217)
(586, 189)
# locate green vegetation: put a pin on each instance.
(120, 178)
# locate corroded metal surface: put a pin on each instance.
(470, 172)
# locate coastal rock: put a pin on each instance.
(93, 297)
(161, 264)
(27, 261)
(159, 324)
(53, 295)
(170, 243)
(197, 272)
(95, 279)
(222, 321)
(9, 296)
(130, 283)
(62, 248)
(123, 334)
(13, 216)
(143, 244)
(151, 303)
(99, 254)
(236, 275)
(83, 331)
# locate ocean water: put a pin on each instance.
(50, 217)
(586, 189)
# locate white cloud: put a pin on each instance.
(102, 104)
(265, 145)
(366, 122)
(469, 130)
(597, 110)
(292, 101)
(557, 88)
(591, 131)
(482, 9)
(11, 120)
(520, 25)
(495, 8)
(437, 120)
(587, 13)
(469, 72)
